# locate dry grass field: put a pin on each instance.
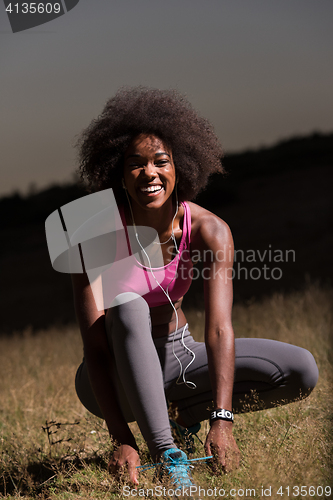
(51, 448)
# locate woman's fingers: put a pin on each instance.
(133, 473)
(125, 456)
(221, 444)
(208, 449)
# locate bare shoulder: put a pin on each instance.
(207, 229)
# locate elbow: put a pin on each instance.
(220, 336)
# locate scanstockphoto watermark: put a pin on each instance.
(307, 491)
(247, 264)
(189, 491)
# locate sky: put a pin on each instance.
(260, 71)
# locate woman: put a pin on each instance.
(156, 154)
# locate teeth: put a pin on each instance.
(151, 189)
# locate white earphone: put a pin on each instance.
(188, 383)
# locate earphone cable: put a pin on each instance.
(166, 293)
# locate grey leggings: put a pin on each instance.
(147, 373)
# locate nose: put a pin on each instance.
(150, 169)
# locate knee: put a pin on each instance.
(84, 391)
(127, 308)
(125, 298)
(128, 302)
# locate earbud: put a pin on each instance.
(123, 183)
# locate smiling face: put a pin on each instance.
(149, 172)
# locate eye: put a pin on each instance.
(161, 163)
(134, 165)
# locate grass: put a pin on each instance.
(51, 448)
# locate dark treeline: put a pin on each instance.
(276, 200)
(298, 153)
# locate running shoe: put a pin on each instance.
(176, 468)
(185, 435)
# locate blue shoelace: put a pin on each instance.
(177, 466)
(151, 466)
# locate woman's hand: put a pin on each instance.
(128, 456)
(222, 445)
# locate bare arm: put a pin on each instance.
(99, 364)
(219, 335)
(216, 244)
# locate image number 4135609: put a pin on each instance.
(24, 15)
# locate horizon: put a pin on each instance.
(259, 72)
(33, 189)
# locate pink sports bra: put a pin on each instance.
(175, 277)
